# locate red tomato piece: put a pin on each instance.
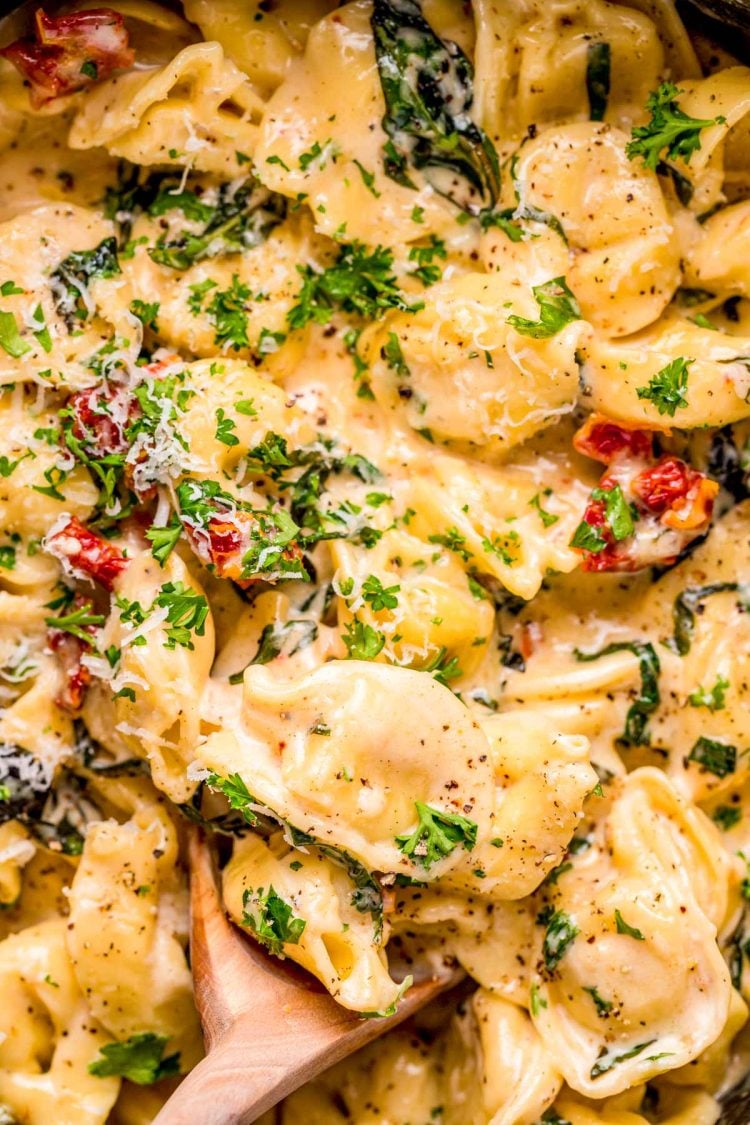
(603, 440)
(70, 53)
(100, 416)
(86, 552)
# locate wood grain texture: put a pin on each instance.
(269, 1027)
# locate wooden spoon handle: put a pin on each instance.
(263, 1059)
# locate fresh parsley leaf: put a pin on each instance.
(536, 1002)
(271, 919)
(393, 355)
(587, 537)
(225, 429)
(667, 388)
(147, 312)
(547, 518)
(557, 307)
(427, 271)
(77, 622)
(444, 668)
(187, 612)
(237, 794)
(624, 928)
(437, 834)
(11, 340)
(245, 407)
(42, 334)
(362, 641)
(140, 1059)
(379, 596)
(360, 281)
(164, 539)
(227, 308)
(670, 133)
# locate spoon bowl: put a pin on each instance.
(269, 1026)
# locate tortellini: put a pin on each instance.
(709, 369)
(322, 752)
(49, 1033)
(328, 931)
(614, 241)
(459, 371)
(156, 683)
(317, 140)
(50, 330)
(198, 111)
(624, 1007)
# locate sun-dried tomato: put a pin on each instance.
(71, 52)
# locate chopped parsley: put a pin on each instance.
(360, 281)
(187, 612)
(225, 428)
(393, 355)
(11, 340)
(379, 596)
(670, 133)
(557, 307)
(427, 271)
(237, 794)
(147, 312)
(437, 834)
(140, 1059)
(271, 919)
(547, 518)
(164, 539)
(362, 641)
(77, 623)
(667, 388)
(227, 308)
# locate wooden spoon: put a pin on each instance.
(269, 1027)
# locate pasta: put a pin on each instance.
(375, 493)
